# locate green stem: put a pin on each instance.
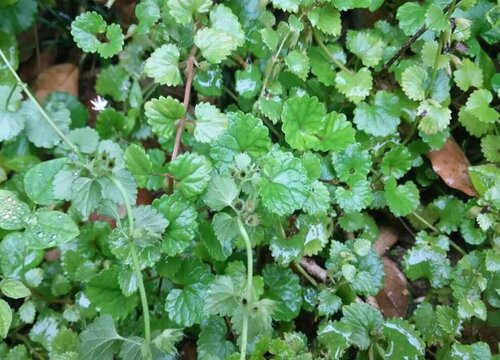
(330, 56)
(137, 266)
(304, 273)
(248, 296)
(436, 230)
(37, 104)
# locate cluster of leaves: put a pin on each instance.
(295, 133)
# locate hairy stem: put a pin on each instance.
(248, 296)
(37, 104)
(136, 264)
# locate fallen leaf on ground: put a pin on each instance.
(393, 299)
(451, 164)
(61, 77)
(387, 237)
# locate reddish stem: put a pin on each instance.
(182, 122)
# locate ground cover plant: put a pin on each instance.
(249, 179)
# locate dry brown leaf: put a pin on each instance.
(393, 299)
(451, 164)
(387, 237)
(61, 77)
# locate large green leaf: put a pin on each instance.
(185, 306)
(49, 229)
(39, 181)
(283, 286)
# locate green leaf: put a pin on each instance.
(147, 13)
(183, 10)
(86, 139)
(49, 229)
(490, 145)
(210, 123)
(99, 340)
(111, 124)
(411, 17)
(451, 213)
(104, 291)
(467, 75)
(357, 197)
(114, 81)
(163, 65)
(436, 19)
(478, 105)
(27, 312)
(38, 181)
(380, 119)
(14, 289)
(13, 212)
(271, 107)
(19, 16)
(37, 129)
(403, 341)
(283, 186)
(302, 119)
(212, 343)
(181, 216)
(329, 303)
(245, 134)
(366, 46)
(283, 286)
(11, 122)
(318, 200)
(298, 63)
(185, 306)
(287, 5)
(475, 351)
(414, 82)
(429, 54)
(191, 173)
(326, 19)
(221, 298)
(355, 86)
(248, 82)
(435, 117)
(162, 113)
(320, 63)
(364, 321)
(354, 161)
(138, 163)
(222, 191)
(396, 162)
(334, 336)
(88, 26)
(5, 318)
(428, 263)
(16, 257)
(401, 199)
(167, 339)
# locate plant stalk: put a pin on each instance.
(248, 295)
(136, 264)
(37, 104)
(330, 56)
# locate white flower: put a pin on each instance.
(99, 103)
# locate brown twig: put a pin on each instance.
(314, 269)
(407, 44)
(182, 122)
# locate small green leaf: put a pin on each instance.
(356, 197)
(138, 163)
(298, 63)
(435, 117)
(221, 297)
(191, 173)
(363, 321)
(210, 122)
(326, 19)
(5, 318)
(396, 162)
(490, 145)
(162, 113)
(221, 192)
(475, 351)
(163, 65)
(467, 75)
(329, 303)
(114, 80)
(478, 105)
(183, 10)
(414, 82)
(212, 343)
(353, 161)
(403, 340)
(185, 306)
(99, 340)
(366, 46)
(283, 185)
(27, 312)
(287, 5)
(381, 118)
(248, 82)
(39, 181)
(436, 19)
(11, 122)
(15, 256)
(13, 212)
(411, 17)
(355, 86)
(14, 289)
(283, 286)
(18, 16)
(401, 199)
(50, 229)
(147, 13)
(167, 339)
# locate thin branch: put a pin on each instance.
(407, 44)
(314, 269)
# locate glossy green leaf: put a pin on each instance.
(185, 306)
(355, 86)
(283, 286)
(162, 113)
(100, 339)
(210, 122)
(14, 289)
(138, 163)
(13, 212)
(5, 318)
(38, 181)
(401, 199)
(163, 67)
(191, 173)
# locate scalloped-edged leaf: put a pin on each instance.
(163, 65)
